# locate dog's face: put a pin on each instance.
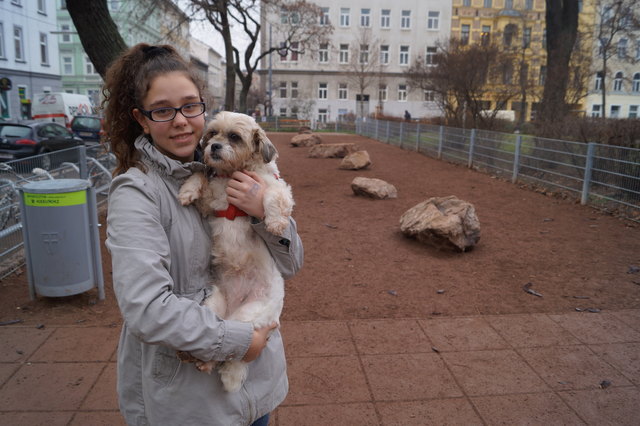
(234, 141)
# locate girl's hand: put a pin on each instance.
(259, 342)
(245, 190)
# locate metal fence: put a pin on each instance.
(604, 176)
(92, 162)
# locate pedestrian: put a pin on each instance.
(155, 118)
(407, 115)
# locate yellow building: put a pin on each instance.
(519, 27)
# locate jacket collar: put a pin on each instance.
(154, 158)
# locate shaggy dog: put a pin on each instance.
(248, 285)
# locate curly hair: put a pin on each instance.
(127, 82)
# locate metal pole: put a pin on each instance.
(82, 151)
(588, 167)
(472, 142)
(418, 137)
(401, 133)
(440, 141)
(516, 159)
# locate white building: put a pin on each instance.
(323, 84)
(211, 65)
(29, 62)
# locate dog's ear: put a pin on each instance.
(263, 145)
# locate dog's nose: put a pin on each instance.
(216, 146)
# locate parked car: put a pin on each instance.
(21, 140)
(88, 127)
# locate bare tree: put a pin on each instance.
(298, 28)
(363, 67)
(98, 33)
(617, 23)
(562, 29)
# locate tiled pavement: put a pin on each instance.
(538, 369)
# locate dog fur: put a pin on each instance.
(248, 285)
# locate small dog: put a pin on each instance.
(249, 286)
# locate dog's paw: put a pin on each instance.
(276, 225)
(233, 374)
(187, 197)
(206, 366)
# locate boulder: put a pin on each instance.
(373, 188)
(305, 139)
(444, 222)
(355, 161)
(332, 150)
(304, 129)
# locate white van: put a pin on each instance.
(60, 107)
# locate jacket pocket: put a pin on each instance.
(165, 365)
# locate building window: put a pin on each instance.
(466, 3)
(283, 89)
(364, 54)
(404, 55)
(526, 38)
(2, 51)
(344, 53)
(405, 20)
(324, 16)
(282, 51)
(617, 82)
(633, 111)
(622, 48)
(88, 66)
(508, 4)
(18, 43)
(42, 7)
(528, 4)
(429, 96)
(433, 20)
(382, 92)
(44, 49)
(598, 85)
(385, 18)
(595, 110)
(615, 111)
(384, 54)
(295, 50)
(344, 16)
(485, 35)
(323, 90)
(488, 3)
(543, 75)
(67, 65)
(322, 115)
(283, 112)
(635, 85)
(294, 89)
(402, 92)
(343, 93)
(464, 34)
(323, 53)
(430, 58)
(66, 30)
(4, 104)
(365, 17)
(510, 32)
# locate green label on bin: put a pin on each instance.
(50, 200)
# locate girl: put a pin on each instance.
(160, 255)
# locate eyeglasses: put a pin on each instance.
(168, 113)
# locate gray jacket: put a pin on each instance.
(160, 255)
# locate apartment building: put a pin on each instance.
(360, 70)
(28, 55)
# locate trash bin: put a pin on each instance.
(61, 238)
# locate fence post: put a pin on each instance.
(588, 166)
(401, 132)
(418, 137)
(377, 129)
(276, 123)
(388, 131)
(82, 152)
(472, 142)
(440, 141)
(516, 159)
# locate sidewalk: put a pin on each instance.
(574, 368)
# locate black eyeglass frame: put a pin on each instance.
(149, 113)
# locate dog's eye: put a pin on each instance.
(234, 137)
(210, 134)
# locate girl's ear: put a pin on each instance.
(141, 119)
(264, 145)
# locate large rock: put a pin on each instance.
(305, 139)
(332, 150)
(355, 161)
(444, 222)
(373, 188)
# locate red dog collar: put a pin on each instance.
(230, 213)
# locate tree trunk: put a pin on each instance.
(98, 33)
(562, 30)
(225, 31)
(603, 86)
